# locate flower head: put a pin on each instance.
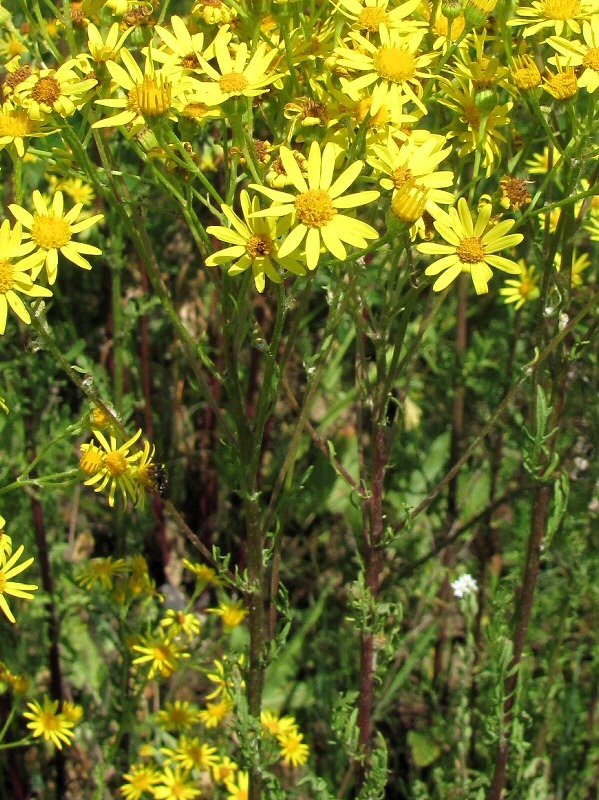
(464, 585)
(471, 247)
(175, 784)
(139, 780)
(48, 723)
(557, 14)
(51, 230)
(232, 614)
(9, 569)
(162, 652)
(315, 208)
(113, 467)
(522, 289)
(15, 279)
(50, 91)
(254, 244)
(294, 751)
(584, 56)
(178, 716)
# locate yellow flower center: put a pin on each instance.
(91, 461)
(46, 90)
(561, 9)
(563, 85)
(233, 83)
(50, 232)
(400, 176)
(371, 17)
(471, 115)
(14, 47)
(100, 418)
(116, 464)
(6, 276)
(195, 110)
(151, 98)
(162, 653)
(396, 64)
(471, 250)
(314, 208)
(591, 60)
(259, 245)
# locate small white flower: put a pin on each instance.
(464, 585)
(564, 319)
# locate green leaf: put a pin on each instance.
(424, 748)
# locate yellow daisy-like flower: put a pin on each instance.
(232, 614)
(294, 751)
(9, 570)
(178, 716)
(50, 91)
(203, 573)
(471, 247)
(562, 85)
(277, 725)
(185, 48)
(192, 754)
(215, 713)
(46, 722)
(224, 769)
(239, 788)
(522, 289)
(395, 66)
(368, 15)
(11, 45)
(102, 571)
(14, 277)
(77, 190)
(582, 55)
(237, 76)
(16, 125)
(579, 264)
(114, 467)
(557, 14)
(254, 244)
(539, 163)
(417, 161)
(161, 652)
(315, 209)
(466, 126)
(52, 232)
(150, 94)
(176, 784)
(214, 12)
(103, 50)
(140, 779)
(180, 622)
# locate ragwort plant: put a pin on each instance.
(337, 273)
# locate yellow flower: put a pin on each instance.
(525, 74)
(582, 55)
(294, 751)
(466, 126)
(224, 683)
(102, 50)
(11, 45)
(102, 571)
(178, 716)
(145, 474)
(539, 163)
(215, 713)
(232, 613)
(180, 622)
(140, 779)
(472, 247)
(46, 722)
(77, 190)
(16, 125)
(185, 48)
(14, 279)
(214, 12)
(522, 289)
(237, 76)
(162, 652)
(114, 467)
(561, 85)
(224, 769)
(395, 66)
(50, 91)
(277, 725)
(72, 712)
(9, 570)
(417, 161)
(203, 573)
(51, 231)
(557, 14)
(367, 15)
(192, 754)
(239, 789)
(254, 244)
(150, 94)
(175, 785)
(579, 264)
(315, 209)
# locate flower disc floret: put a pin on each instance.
(314, 208)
